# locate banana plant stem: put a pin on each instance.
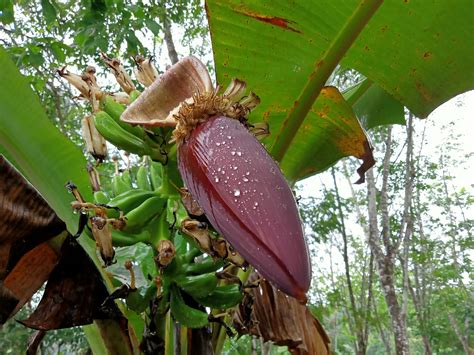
(322, 70)
(219, 345)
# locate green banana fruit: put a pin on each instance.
(141, 215)
(198, 286)
(156, 173)
(134, 95)
(127, 179)
(115, 110)
(142, 178)
(119, 186)
(135, 301)
(207, 265)
(187, 316)
(222, 297)
(101, 197)
(118, 136)
(141, 300)
(122, 239)
(130, 199)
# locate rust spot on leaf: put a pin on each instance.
(366, 47)
(426, 55)
(320, 63)
(272, 20)
(423, 91)
(384, 29)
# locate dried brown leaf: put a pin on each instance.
(74, 293)
(30, 273)
(274, 316)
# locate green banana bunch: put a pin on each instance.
(138, 217)
(186, 315)
(121, 183)
(118, 136)
(223, 297)
(127, 179)
(143, 182)
(156, 173)
(101, 197)
(130, 199)
(198, 286)
(122, 239)
(115, 109)
(207, 265)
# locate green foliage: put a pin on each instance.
(440, 261)
(247, 40)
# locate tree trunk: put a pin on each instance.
(168, 35)
(361, 345)
(169, 40)
(385, 257)
(462, 337)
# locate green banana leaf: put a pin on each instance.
(277, 47)
(373, 106)
(329, 127)
(46, 157)
(421, 52)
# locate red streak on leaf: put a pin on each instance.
(272, 20)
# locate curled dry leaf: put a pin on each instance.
(74, 294)
(28, 275)
(157, 105)
(26, 222)
(274, 316)
(190, 203)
